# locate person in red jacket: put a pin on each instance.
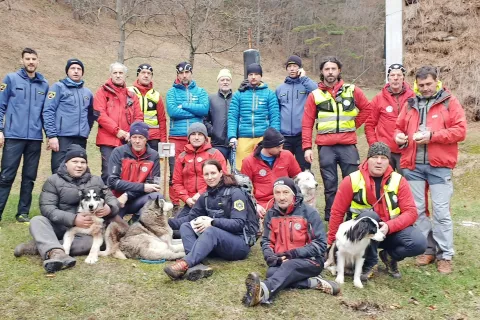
(151, 104)
(337, 109)
(188, 181)
(116, 109)
(383, 194)
(384, 110)
(267, 163)
(428, 130)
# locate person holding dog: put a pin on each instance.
(132, 170)
(267, 163)
(384, 195)
(65, 98)
(215, 226)
(296, 262)
(151, 104)
(336, 109)
(428, 131)
(59, 202)
(188, 181)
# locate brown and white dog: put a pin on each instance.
(308, 186)
(90, 201)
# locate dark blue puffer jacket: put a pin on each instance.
(252, 111)
(68, 111)
(292, 96)
(21, 104)
(194, 106)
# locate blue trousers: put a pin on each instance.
(213, 242)
(133, 206)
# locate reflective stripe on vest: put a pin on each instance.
(359, 202)
(148, 104)
(335, 115)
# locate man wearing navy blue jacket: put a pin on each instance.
(68, 113)
(292, 96)
(22, 94)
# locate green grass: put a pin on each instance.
(114, 289)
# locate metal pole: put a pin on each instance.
(393, 33)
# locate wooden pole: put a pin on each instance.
(165, 166)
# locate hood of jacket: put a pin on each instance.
(63, 173)
(38, 76)
(290, 80)
(364, 170)
(109, 86)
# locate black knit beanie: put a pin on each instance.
(286, 181)
(254, 68)
(75, 151)
(74, 61)
(272, 138)
(294, 60)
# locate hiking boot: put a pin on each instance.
(327, 286)
(177, 270)
(444, 266)
(424, 259)
(253, 296)
(58, 260)
(198, 272)
(367, 273)
(29, 248)
(22, 218)
(391, 264)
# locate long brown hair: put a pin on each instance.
(227, 179)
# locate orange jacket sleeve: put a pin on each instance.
(340, 206)
(457, 131)
(372, 121)
(100, 107)
(309, 116)
(177, 181)
(361, 102)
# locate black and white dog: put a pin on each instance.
(351, 241)
(90, 201)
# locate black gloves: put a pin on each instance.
(290, 254)
(243, 86)
(274, 261)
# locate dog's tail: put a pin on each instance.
(115, 231)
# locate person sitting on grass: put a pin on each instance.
(59, 201)
(296, 262)
(214, 226)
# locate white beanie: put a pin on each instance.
(224, 73)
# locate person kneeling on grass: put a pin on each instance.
(293, 245)
(215, 226)
(59, 201)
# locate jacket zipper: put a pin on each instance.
(29, 103)
(291, 111)
(291, 232)
(195, 169)
(80, 102)
(280, 228)
(253, 113)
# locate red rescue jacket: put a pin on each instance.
(384, 110)
(343, 199)
(117, 108)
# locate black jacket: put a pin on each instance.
(216, 120)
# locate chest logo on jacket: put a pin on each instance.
(144, 169)
(262, 172)
(199, 159)
(297, 226)
(389, 109)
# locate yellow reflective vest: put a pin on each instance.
(148, 104)
(359, 202)
(337, 114)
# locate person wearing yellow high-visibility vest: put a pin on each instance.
(383, 194)
(151, 104)
(336, 109)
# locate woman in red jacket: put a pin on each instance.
(116, 109)
(188, 181)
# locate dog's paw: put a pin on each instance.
(358, 284)
(339, 280)
(91, 260)
(332, 270)
(103, 253)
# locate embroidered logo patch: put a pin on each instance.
(239, 205)
(51, 95)
(262, 172)
(144, 169)
(3, 86)
(389, 109)
(297, 226)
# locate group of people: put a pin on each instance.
(267, 136)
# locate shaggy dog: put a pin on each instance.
(90, 201)
(149, 238)
(307, 184)
(351, 241)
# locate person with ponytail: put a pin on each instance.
(213, 227)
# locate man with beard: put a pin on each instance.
(68, 113)
(22, 95)
(337, 109)
(117, 108)
(151, 104)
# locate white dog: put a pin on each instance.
(307, 184)
(351, 241)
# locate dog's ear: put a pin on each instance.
(364, 227)
(160, 202)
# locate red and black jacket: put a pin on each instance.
(128, 172)
(300, 228)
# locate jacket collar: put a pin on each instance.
(290, 80)
(179, 85)
(336, 87)
(221, 95)
(189, 148)
(364, 170)
(38, 76)
(109, 86)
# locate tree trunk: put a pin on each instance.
(121, 29)
(192, 56)
(258, 24)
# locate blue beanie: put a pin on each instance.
(139, 127)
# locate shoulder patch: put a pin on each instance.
(239, 205)
(51, 94)
(3, 86)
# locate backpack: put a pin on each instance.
(252, 223)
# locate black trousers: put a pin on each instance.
(294, 145)
(13, 150)
(292, 274)
(346, 156)
(153, 144)
(64, 143)
(105, 151)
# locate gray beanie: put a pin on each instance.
(197, 127)
(378, 149)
